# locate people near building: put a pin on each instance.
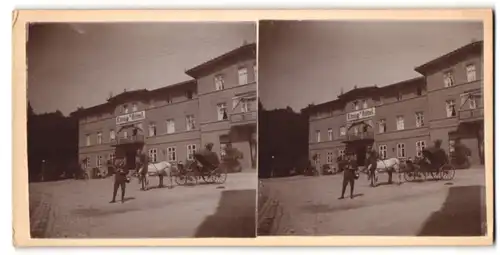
(349, 169)
(435, 155)
(207, 156)
(121, 178)
(461, 154)
(372, 163)
(141, 167)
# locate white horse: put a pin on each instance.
(390, 166)
(161, 169)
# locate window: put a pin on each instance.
(221, 111)
(471, 72)
(87, 140)
(400, 122)
(134, 107)
(318, 136)
(99, 161)
(170, 126)
(245, 106)
(318, 159)
(189, 94)
(365, 104)
(420, 148)
(401, 150)
(168, 99)
(342, 131)
(448, 79)
(451, 146)
(223, 149)
(255, 71)
(341, 153)
(111, 157)
(330, 134)
(450, 108)
(382, 151)
(329, 157)
(86, 162)
(242, 76)
(190, 123)
(125, 134)
(419, 91)
(473, 102)
(171, 154)
(112, 135)
(419, 118)
(152, 129)
(191, 149)
(382, 127)
(399, 96)
(355, 130)
(356, 105)
(99, 138)
(153, 155)
(219, 82)
(125, 109)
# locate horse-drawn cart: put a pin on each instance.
(201, 168)
(434, 164)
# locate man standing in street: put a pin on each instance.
(120, 178)
(349, 169)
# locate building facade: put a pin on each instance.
(172, 122)
(400, 120)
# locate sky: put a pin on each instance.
(74, 65)
(304, 62)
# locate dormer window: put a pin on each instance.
(125, 109)
(134, 107)
(356, 105)
(189, 94)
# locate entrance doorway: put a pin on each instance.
(360, 149)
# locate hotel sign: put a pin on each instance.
(131, 117)
(361, 114)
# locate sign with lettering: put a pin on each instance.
(131, 117)
(361, 114)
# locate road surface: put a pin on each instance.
(81, 209)
(310, 206)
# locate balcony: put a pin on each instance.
(470, 115)
(129, 140)
(243, 118)
(360, 136)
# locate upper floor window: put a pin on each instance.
(382, 127)
(221, 111)
(342, 131)
(219, 82)
(112, 135)
(134, 107)
(99, 138)
(355, 130)
(471, 72)
(190, 123)
(125, 134)
(356, 105)
(245, 105)
(365, 104)
(400, 122)
(242, 76)
(450, 108)
(330, 134)
(170, 126)
(87, 140)
(318, 136)
(152, 129)
(448, 79)
(419, 118)
(125, 109)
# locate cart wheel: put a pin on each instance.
(436, 175)
(219, 176)
(180, 179)
(447, 172)
(191, 178)
(408, 175)
(207, 178)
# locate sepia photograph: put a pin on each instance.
(371, 128)
(142, 130)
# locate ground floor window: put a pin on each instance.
(99, 161)
(420, 148)
(86, 162)
(191, 149)
(318, 159)
(401, 150)
(153, 155)
(329, 157)
(451, 146)
(171, 154)
(382, 151)
(341, 153)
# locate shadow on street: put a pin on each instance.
(462, 214)
(235, 216)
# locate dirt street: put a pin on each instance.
(77, 208)
(310, 206)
